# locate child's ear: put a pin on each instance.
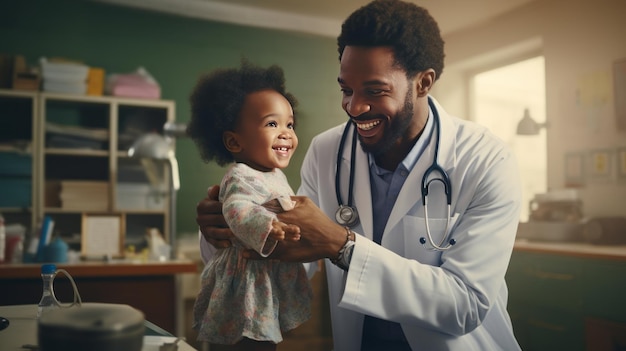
(230, 142)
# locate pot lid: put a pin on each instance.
(93, 317)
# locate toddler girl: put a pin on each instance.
(244, 117)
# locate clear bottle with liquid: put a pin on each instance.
(48, 299)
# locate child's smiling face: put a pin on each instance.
(264, 137)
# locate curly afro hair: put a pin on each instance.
(217, 100)
(407, 28)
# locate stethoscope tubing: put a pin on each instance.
(434, 167)
(346, 215)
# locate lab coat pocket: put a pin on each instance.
(415, 229)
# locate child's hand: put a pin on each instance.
(283, 231)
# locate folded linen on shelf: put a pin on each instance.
(139, 84)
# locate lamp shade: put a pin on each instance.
(528, 126)
(155, 146)
(150, 145)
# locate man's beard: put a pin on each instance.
(395, 131)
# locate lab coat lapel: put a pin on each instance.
(411, 192)
(362, 189)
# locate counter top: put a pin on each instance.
(103, 269)
(615, 252)
(22, 330)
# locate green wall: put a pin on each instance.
(176, 50)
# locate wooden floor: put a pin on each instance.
(314, 335)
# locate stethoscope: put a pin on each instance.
(347, 215)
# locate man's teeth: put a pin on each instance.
(367, 126)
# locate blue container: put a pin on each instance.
(15, 192)
(15, 165)
(56, 251)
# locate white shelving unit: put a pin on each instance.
(78, 151)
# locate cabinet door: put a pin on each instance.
(604, 288)
(545, 301)
(546, 280)
(554, 329)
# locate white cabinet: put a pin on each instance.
(77, 148)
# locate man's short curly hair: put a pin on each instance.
(217, 100)
(409, 29)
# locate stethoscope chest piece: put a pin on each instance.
(346, 216)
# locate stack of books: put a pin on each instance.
(84, 195)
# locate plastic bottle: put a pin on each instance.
(48, 299)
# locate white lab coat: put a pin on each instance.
(455, 300)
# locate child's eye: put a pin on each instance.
(272, 124)
(290, 126)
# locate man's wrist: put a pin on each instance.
(345, 253)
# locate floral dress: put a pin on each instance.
(256, 299)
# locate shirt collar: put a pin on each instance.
(416, 151)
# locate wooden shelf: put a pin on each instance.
(100, 127)
(102, 269)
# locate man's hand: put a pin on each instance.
(211, 220)
(320, 237)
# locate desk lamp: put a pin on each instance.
(155, 146)
(528, 126)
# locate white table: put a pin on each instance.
(22, 330)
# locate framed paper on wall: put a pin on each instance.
(600, 164)
(619, 82)
(621, 164)
(102, 235)
(574, 169)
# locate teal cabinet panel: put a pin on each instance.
(551, 296)
(545, 280)
(604, 290)
(539, 328)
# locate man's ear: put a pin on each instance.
(231, 142)
(424, 82)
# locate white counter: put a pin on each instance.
(572, 249)
(22, 330)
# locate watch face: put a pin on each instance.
(348, 254)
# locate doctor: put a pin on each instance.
(401, 279)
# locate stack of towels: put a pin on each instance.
(64, 76)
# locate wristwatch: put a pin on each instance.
(345, 253)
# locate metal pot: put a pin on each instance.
(92, 326)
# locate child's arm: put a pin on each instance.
(242, 193)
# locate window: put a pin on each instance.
(500, 97)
